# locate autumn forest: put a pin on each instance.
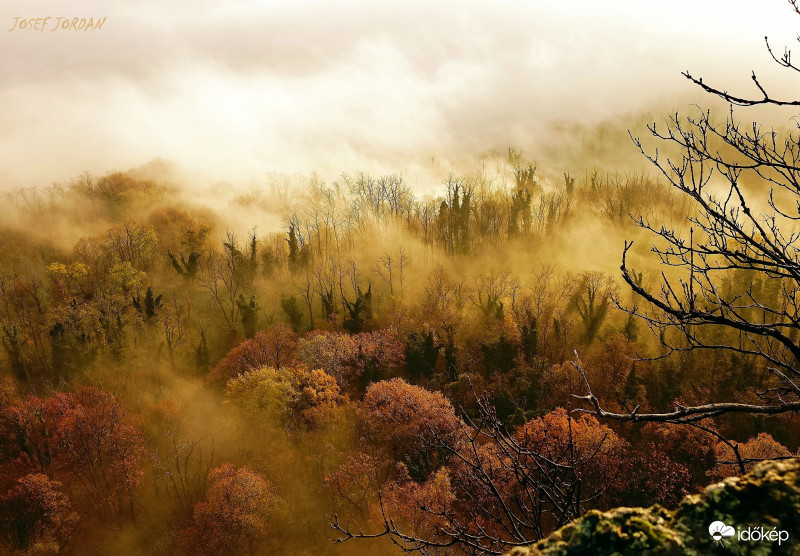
(381, 367)
(481, 286)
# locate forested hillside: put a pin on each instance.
(264, 371)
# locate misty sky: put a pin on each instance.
(234, 89)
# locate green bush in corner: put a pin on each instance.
(766, 499)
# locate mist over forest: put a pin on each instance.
(397, 283)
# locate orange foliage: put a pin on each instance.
(234, 516)
(609, 365)
(356, 482)
(35, 516)
(410, 420)
(305, 395)
(328, 351)
(688, 446)
(316, 387)
(366, 355)
(654, 477)
(669, 461)
(376, 352)
(405, 500)
(88, 440)
(176, 229)
(273, 348)
(761, 447)
(596, 449)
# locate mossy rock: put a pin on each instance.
(768, 497)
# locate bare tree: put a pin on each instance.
(175, 321)
(744, 183)
(403, 261)
(218, 279)
(23, 323)
(490, 289)
(307, 289)
(591, 298)
(384, 269)
(183, 465)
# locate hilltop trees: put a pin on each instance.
(111, 292)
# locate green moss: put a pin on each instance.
(768, 496)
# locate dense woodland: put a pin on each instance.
(179, 377)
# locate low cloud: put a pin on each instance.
(231, 91)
